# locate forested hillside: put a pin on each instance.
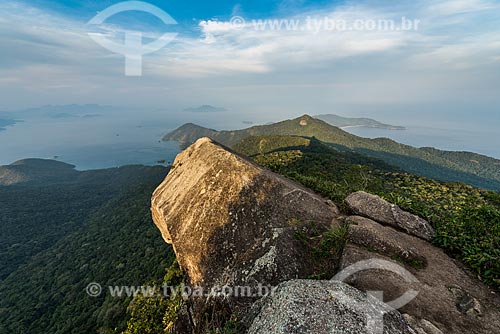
(466, 219)
(60, 235)
(471, 168)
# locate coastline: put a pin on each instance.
(374, 127)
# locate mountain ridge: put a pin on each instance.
(439, 164)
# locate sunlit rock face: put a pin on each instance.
(232, 222)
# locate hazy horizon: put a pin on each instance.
(94, 136)
(435, 67)
(445, 72)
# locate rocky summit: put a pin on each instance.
(235, 224)
(232, 222)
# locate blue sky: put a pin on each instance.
(447, 70)
(185, 11)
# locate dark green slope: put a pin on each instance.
(119, 246)
(59, 234)
(483, 165)
(442, 165)
(254, 146)
(52, 199)
(189, 133)
(36, 170)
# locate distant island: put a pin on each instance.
(6, 122)
(205, 108)
(63, 111)
(344, 122)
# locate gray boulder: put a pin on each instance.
(321, 307)
(388, 241)
(376, 208)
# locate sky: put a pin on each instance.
(445, 71)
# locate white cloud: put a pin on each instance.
(324, 66)
(454, 7)
(227, 48)
(468, 53)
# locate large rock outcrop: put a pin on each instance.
(233, 223)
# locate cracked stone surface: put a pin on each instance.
(375, 208)
(324, 307)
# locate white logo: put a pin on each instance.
(375, 321)
(93, 289)
(132, 49)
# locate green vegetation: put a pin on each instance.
(50, 200)
(324, 246)
(470, 168)
(331, 243)
(466, 219)
(259, 145)
(158, 314)
(37, 171)
(230, 327)
(57, 237)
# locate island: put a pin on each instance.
(344, 122)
